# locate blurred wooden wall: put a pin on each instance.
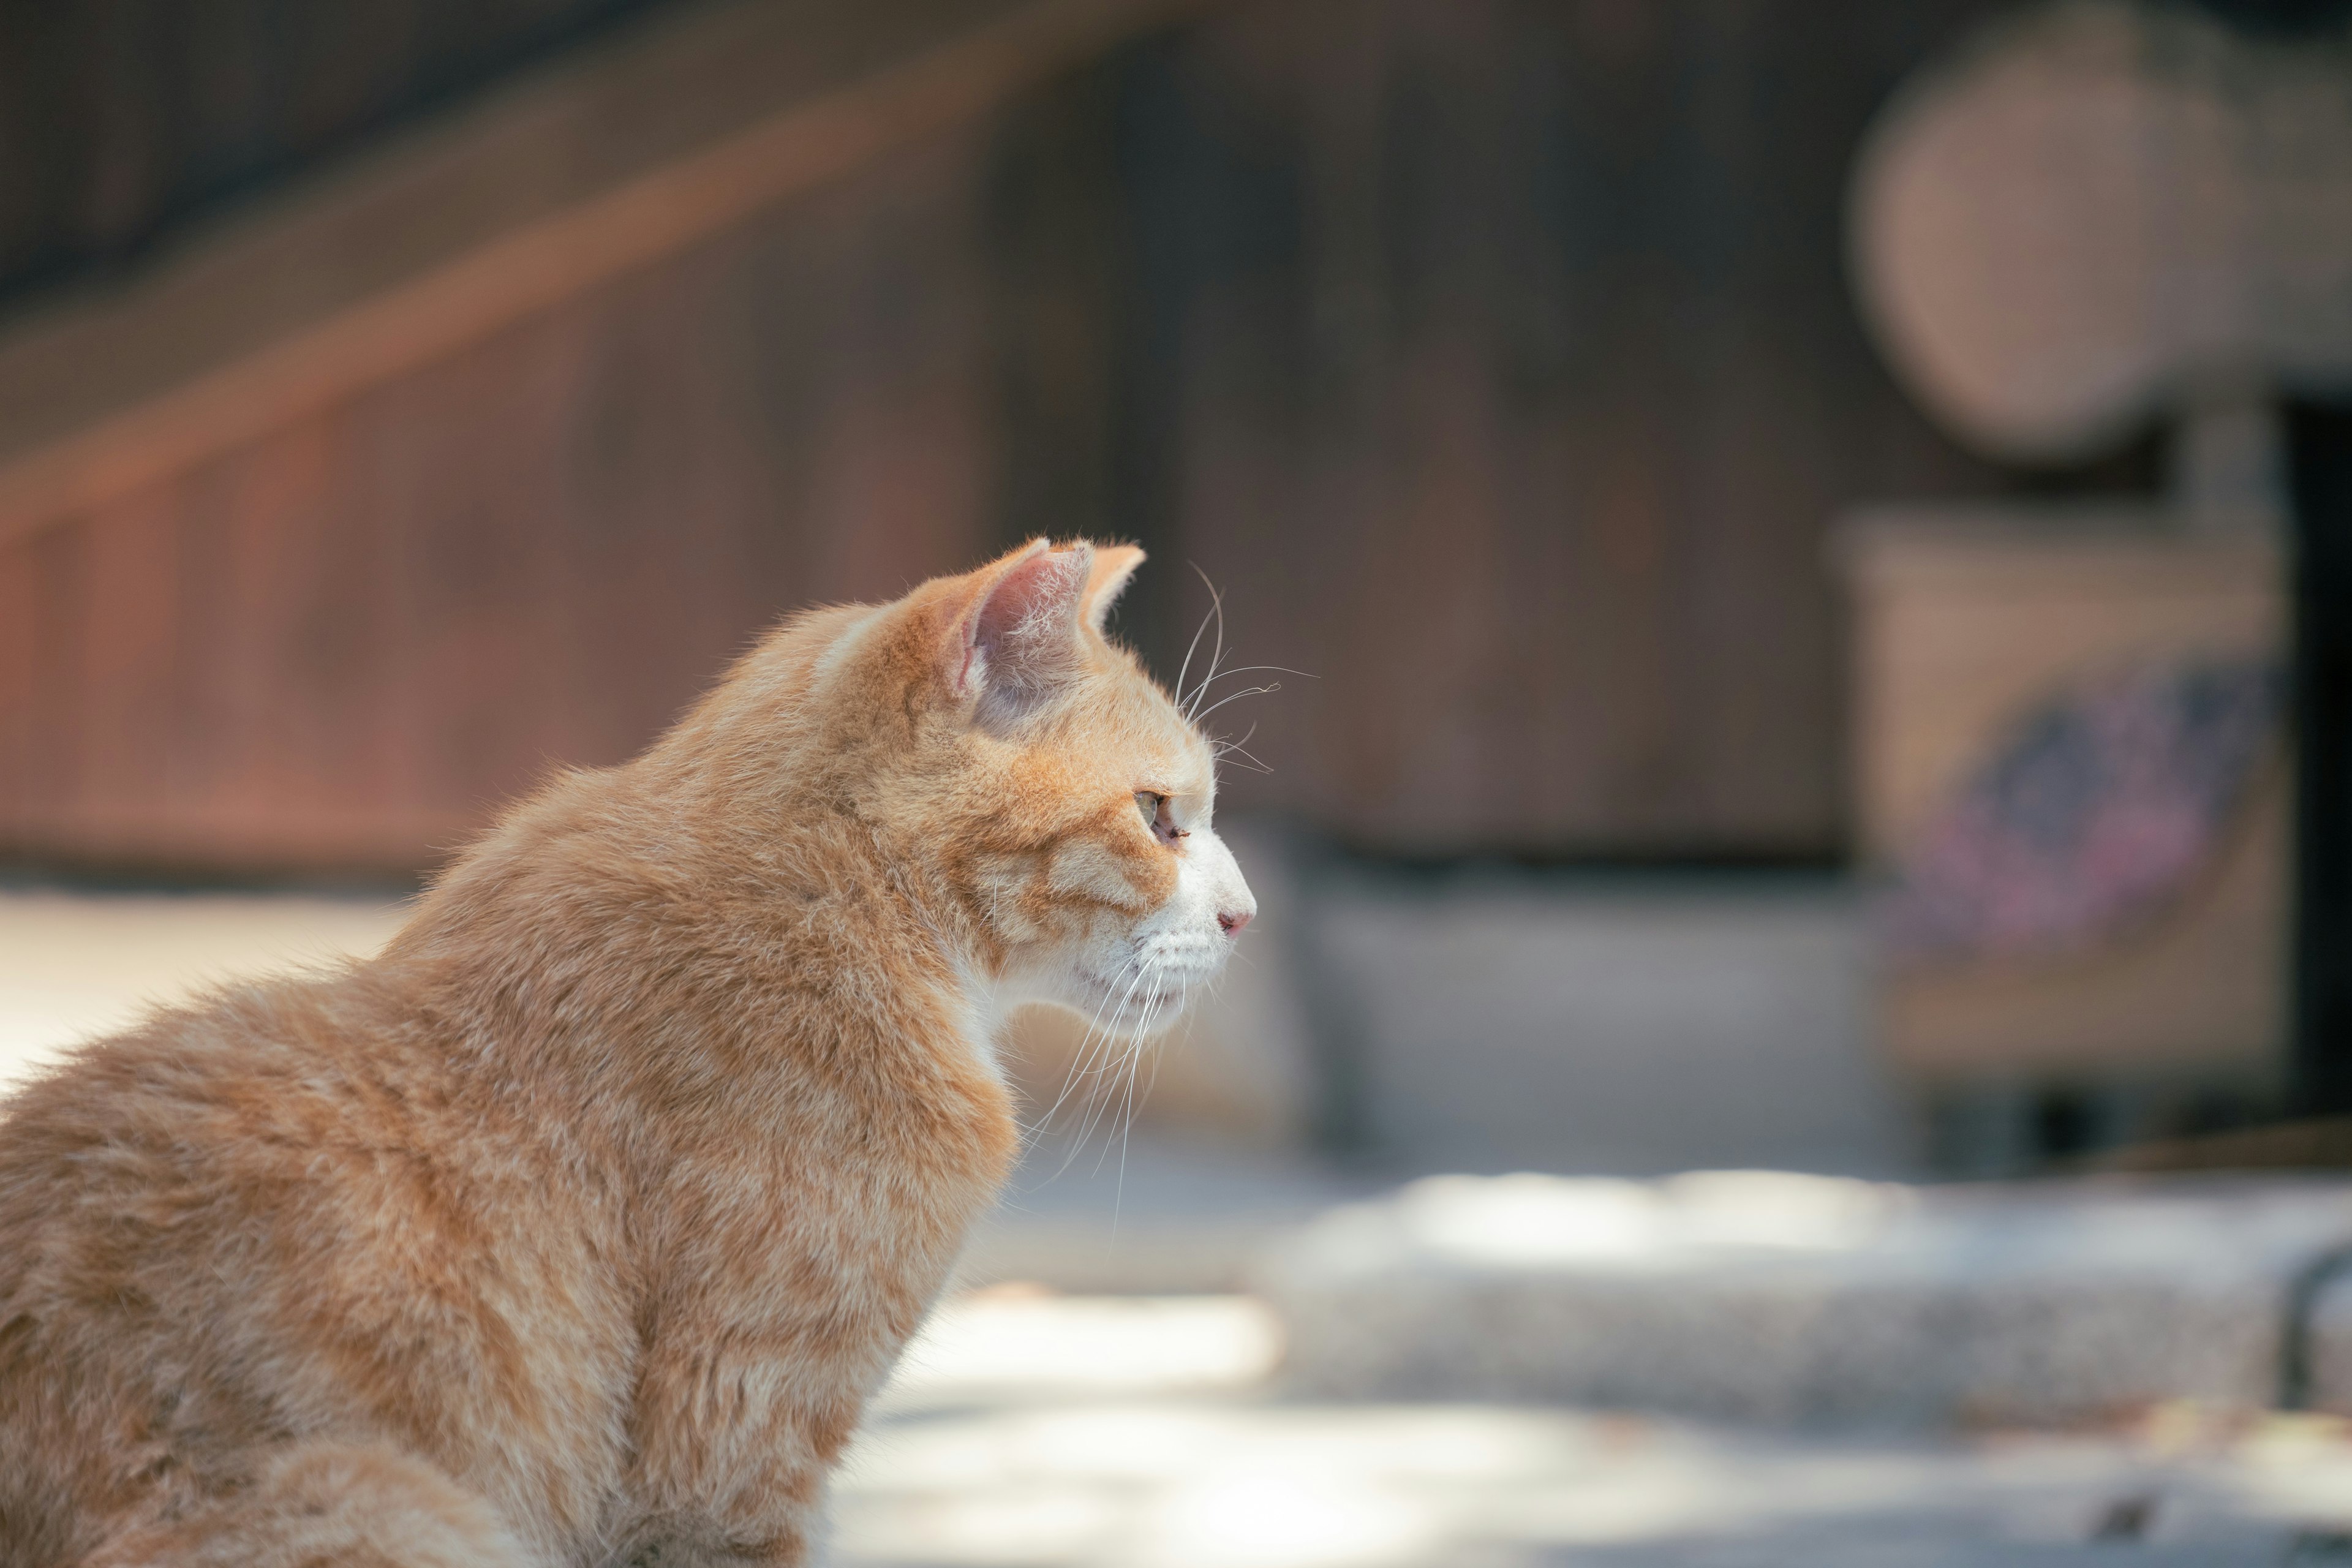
(1496, 359)
(123, 120)
(1493, 357)
(340, 646)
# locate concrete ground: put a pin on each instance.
(1034, 1430)
(74, 964)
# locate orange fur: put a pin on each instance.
(579, 1226)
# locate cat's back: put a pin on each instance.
(283, 1214)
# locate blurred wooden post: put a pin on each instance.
(2320, 441)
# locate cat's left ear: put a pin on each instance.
(1018, 635)
(1113, 565)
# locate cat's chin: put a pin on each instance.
(1129, 1007)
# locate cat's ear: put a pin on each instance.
(1113, 565)
(1018, 635)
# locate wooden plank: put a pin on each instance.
(458, 300)
(462, 446)
(130, 631)
(21, 674)
(60, 717)
(127, 122)
(1494, 357)
(1516, 387)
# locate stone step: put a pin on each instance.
(1771, 1298)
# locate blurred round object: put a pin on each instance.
(2098, 209)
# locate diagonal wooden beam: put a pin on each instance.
(161, 419)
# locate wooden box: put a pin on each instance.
(1966, 620)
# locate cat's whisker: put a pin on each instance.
(1217, 612)
(1255, 668)
(1105, 1093)
(1127, 1120)
(1198, 632)
(1096, 1040)
(1119, 1197)
(1097, 1098)
(1220, 748)
(1216, 658)
(1134, 1064)
(1087, 1046)
(1235, 697)
(1098, 1035)
(1184, 998)
(1130, 1061)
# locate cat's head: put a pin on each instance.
(1057, 791)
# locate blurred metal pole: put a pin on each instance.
(2320, 454)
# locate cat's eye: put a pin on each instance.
(1157, 816)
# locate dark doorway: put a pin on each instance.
(2320, 444)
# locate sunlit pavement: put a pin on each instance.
(74, 965)
(1150, 1433)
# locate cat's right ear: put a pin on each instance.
(1106, 580)
(1017, 636)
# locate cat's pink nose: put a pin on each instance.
(1232, 921)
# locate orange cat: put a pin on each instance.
(578, 1227)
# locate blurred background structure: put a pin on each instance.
(1819, 538)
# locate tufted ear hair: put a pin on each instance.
(1114, 565)
(1017, 637)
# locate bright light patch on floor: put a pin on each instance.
(1055, 1432)
(1261, 1520)
(1006, 1343)
(74, 966)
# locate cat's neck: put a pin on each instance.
(602, 921)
